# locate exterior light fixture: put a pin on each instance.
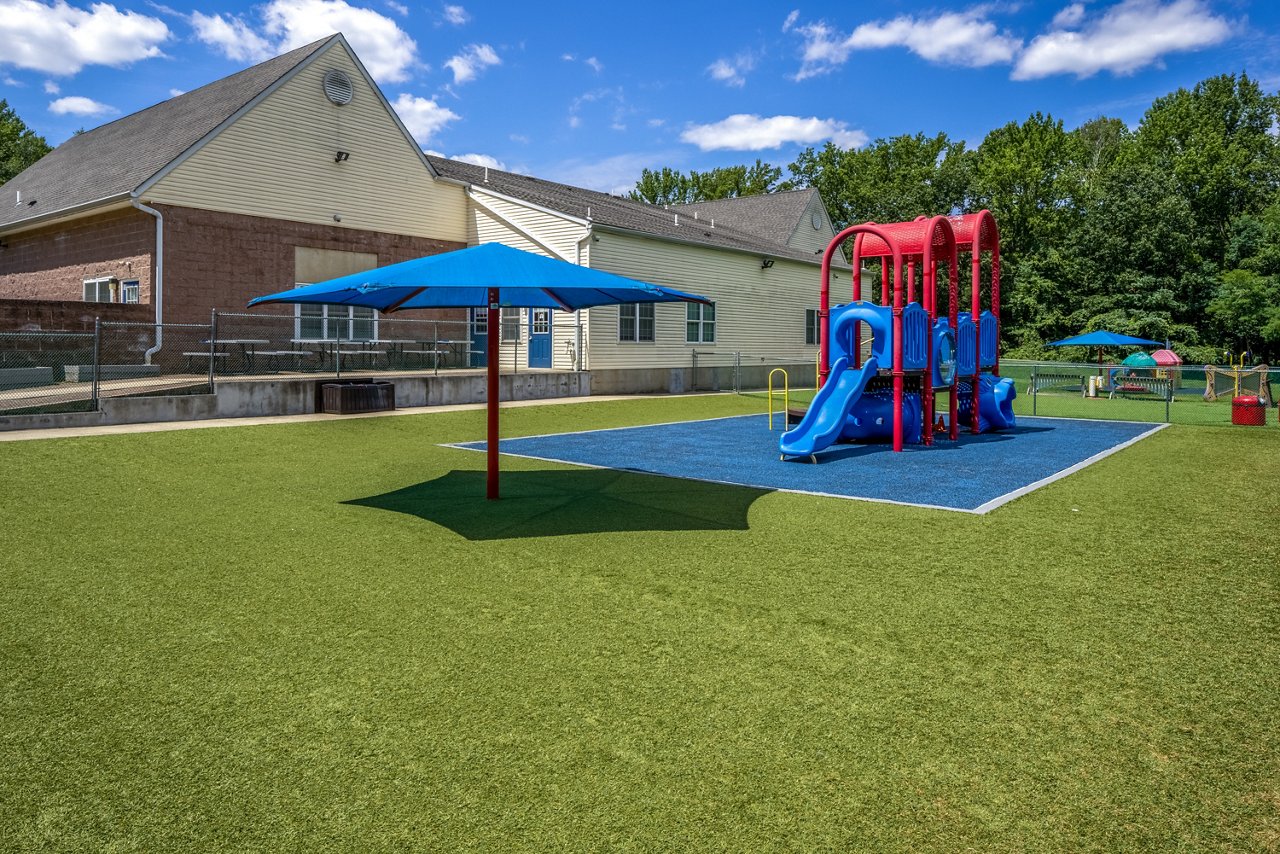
(766, 262)
(341, 156)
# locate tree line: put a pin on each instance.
(1170, 231)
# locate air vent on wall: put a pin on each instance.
(337, 87)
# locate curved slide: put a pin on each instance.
(830, 409)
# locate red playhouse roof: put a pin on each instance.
(910, 236)
(1166, 358)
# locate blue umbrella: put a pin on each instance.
(1101, 338)
(491, 275)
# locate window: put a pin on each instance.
(479, 321)
(130, 292)
(635, 321)
(699, 323)
(540, 323)
(811, 326)
(511, 324)
(104, 289)
(347, 322)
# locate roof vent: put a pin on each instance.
(337, 87)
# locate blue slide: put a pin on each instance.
(830, 409)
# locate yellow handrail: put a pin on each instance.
(786, 398)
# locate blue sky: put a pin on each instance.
(591, 93)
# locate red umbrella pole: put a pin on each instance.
(491, 345)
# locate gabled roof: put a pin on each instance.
(112, 161)
(772, 215)
(611, 212)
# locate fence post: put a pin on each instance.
(337, 353)
(1168, 395)
(213, 347)
(693, 374)
(97, 361)
(1034, 387)
(737, 372)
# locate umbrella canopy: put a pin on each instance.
(491, 275)
(462, 279)
(1101, 338)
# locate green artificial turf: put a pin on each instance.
(319, 636)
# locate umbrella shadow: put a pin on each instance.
(560, 502)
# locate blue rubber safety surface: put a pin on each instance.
(974, 474)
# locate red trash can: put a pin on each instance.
(1248, 410)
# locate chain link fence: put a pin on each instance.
(1168, 395)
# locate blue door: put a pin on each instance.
(539, 337)
(479, 338)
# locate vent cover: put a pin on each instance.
(337, 87)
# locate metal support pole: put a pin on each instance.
(97, 360)
(737, 372)
(693, 374)
(337, 354)
(1035, 388)
(213, 339)
(491, 446)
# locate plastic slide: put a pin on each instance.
(995, 403)
(830, 409)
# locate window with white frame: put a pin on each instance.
(699, 323)
(479, 321)
(540, 321)
(511, 324)
(130, 291)
(811, 326)
(327, 322)
(103, 289)
(635, 321)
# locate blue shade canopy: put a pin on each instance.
(462, 279)
(1101, 338)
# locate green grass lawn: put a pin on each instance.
(224, 640)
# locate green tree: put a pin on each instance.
(1216, 142)
(19, 145)
(890, 180)
(669, 187)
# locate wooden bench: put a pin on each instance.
(1043, 381)
(273, 357)
(1158, 386)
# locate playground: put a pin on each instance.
(332, 640)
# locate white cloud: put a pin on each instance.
(62, 39)
(399, 8)
(233, 38)
(474, 59)
(75, 105)
(744, 132)
(656, 123)
(386, 50)
(732, 72)
(51, 88)
(1130, 35)
(791, 20)
(9, 81)
(176, 92)
(456, 15)
(1069, 16)
(481, 160)
(520, 138)
(594, 64)
(568, 57)
(952, 38)
(616, 175)
(422, 116)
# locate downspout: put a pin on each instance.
(157, 279)
(577, 315)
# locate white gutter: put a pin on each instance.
(157, 278)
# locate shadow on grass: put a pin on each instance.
(554, 502)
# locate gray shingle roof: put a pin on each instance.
(771, 215)
(612, 212)
(113, 160)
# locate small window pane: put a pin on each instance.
(362, 327)
(130, 292)
(627, 322)
(480, 321)
(511, 324)
(646, 322)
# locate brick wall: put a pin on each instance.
(220, 260)
(17, 315)
(52, 263)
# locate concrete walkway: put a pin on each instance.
(162, 426)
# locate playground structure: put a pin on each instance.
(912, 343)
(1237, 380)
